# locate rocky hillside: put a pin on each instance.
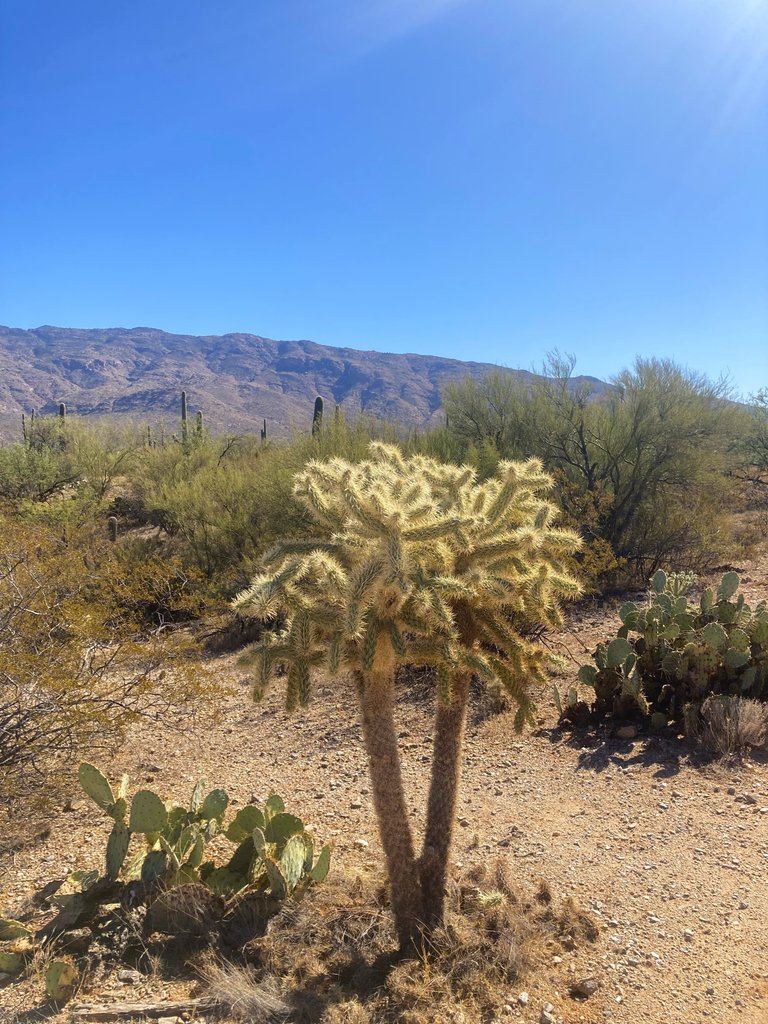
(237, 379)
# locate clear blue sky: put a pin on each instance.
(485, 179)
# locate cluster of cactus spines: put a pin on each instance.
(679, 652)
(184, 415)
(424, 559)
(317, 417)
(176, 838)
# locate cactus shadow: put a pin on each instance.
(598, 751)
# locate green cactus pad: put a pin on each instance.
(292, 861)
(196, 802)
(243, 856)
(214, 805)
(618, 651)
(735, 659)
(714, 635)
(659, 581)
(277, 881)
(148, 813)
(587, 675)
(173, 863)
(224, 882)
(320, 871)
(280, 828)
(117, 848)
(118, 810)
(10, 929)
(95, 785)
(244, 822)
(274, 805)
(61, 980)
(259, 841)
(728, 586)
(10, 963)
(154, 866)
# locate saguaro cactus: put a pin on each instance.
(423, 566)
(62, 413)
(112, 528)
(184, 416)
(317, 417)
(264, 432)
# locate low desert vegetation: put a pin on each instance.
(367, 556)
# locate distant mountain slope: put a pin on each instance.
(237, 379)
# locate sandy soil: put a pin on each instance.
(671, 854)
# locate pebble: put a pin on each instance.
(523, 998)
(626, 732)
(130, 977)
(585, 988)
(361, 844)
(547, 1014)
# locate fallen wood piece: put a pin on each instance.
(126, 1011)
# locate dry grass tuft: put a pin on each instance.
(727, 725)
(236, 990)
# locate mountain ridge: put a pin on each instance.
(237, 379)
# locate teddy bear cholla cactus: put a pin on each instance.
(422, 565)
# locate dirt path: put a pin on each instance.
(672, 856)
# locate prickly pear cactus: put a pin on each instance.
(148, 813)
(673, 653)
(96, 785)
(61, 980)
(117, 849)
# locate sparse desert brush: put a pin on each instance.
(74, 668)
(419, 565)
(333, 957)
(728, 725)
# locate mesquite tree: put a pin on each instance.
(422, 565)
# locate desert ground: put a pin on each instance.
(668, 851)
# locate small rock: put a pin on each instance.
(585, 988)
(626, 732)
(356, 804)
(74, 804)
(130, 977)
(731, 791)
(361, 844)
(547, 1014)
(76, 941)
(687, 934)
(523, 998)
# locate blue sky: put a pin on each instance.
(485, 179)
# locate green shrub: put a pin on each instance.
(642, 467)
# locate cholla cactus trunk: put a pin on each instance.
(447, 746)
(377, 705)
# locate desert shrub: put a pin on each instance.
(673, 654)
(641, 466)
(728, 724)
(74, 668)
(419, 564)
(229, 499)
(62, 472)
